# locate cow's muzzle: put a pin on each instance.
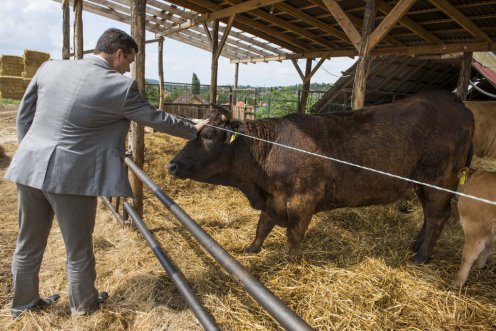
(173, 168)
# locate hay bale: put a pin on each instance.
(11, 87)
(32, 61)
(11, 65)
(25, 82)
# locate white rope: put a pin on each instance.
(359, 166)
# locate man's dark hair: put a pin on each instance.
(113, 39)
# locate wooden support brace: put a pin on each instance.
(344, 22)
(398, 11)
(224, 37)
(464, 78)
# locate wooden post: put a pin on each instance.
(138, 12)
(161, 73)
(306, 87)
(363, 64)
(78, 29)
(235, 92)
(463, 79)
(66, 30)
(214, 66)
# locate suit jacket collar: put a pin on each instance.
(100, 61)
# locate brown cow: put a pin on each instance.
(479, 222)
(425, 137)
(485, 131)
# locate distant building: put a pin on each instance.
(191, 99)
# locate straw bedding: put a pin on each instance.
(354, 274)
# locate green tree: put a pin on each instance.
(195, 85)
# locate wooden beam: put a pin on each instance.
(66, 30)
(387, 51)
(311, 20)
(306, 87)
(410, 24)
(214, 64)
(298, 69)
(464, 78)
(235, 92)
(225, 12)
(314, 70)
(78, 29)
(138, 14)
(356, 22)
(363, 63)
(188, 37)
(398, 11)
(288, 26)
(461, 19)
(207, 32)
(248, 25)
(161, 93)
(344, 22)
(224, 37)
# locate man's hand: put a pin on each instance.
(201, 124)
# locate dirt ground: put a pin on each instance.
(354, 274)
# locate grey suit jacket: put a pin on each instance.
(72, 124)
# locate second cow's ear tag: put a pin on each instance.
(463, 177)
(233, 137)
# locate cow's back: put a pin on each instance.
(485, 127)
(422, 137)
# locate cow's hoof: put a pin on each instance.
(416, 245)
(456, 285)
(293, 258)
(252, 249)
(419, 259)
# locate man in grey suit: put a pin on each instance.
(71, 126)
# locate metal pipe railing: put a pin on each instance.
(206, 320)
(114, 211)
(272, 304)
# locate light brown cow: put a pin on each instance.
(479, 222)
(478, 218)
(484, 139)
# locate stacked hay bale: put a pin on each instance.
(32, 61)
(16, 72)
(11, 81)
(11, 65)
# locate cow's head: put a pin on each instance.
(206, 157)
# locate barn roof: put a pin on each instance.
(391, 78)
(279, 30)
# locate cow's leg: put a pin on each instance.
(300, 212)
(421, 235)
(437, 211)
(264, 227)
(480, 263)
(472, 250)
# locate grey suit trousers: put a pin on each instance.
(76, 218)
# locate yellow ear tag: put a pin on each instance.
(233, 137)
(463, 177)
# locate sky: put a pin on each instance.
(37, 25)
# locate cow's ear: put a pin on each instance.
(234, 127)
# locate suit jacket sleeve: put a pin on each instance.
(136, 108)
(27, 108)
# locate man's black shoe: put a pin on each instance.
(102, 297)
(40, 305)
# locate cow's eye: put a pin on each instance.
(208, 135)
